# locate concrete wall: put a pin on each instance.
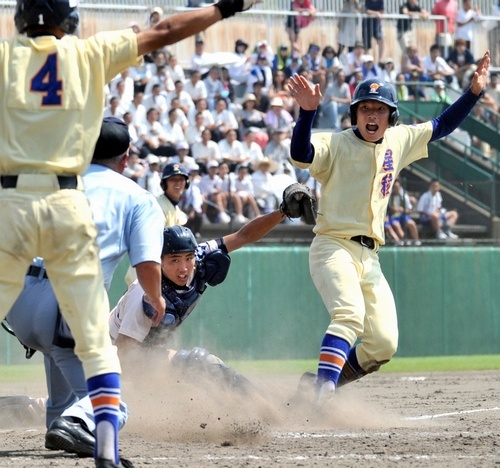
(448, 303)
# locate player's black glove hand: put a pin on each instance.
(231, 7)
(298, 202)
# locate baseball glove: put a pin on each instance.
(298, 202)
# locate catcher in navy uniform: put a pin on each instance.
(187, 269)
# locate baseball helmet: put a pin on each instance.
(173, 169)
(178, 239)
(61, 14)
(375, 90)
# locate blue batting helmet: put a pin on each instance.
(61, 14)
(375, 90)
(173, 169)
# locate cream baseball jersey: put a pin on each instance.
(352, 171)
(55, 89)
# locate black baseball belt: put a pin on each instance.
(365, 241)
(35, 271)
(65, 182)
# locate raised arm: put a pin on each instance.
(308, 98)
(454, 115)
(179, 27)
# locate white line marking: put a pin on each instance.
(455, 413)
(347, 456)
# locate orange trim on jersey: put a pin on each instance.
(106, 400)
(331, 359)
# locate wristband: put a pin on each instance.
(229, 7)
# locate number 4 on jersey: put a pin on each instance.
(45, 81)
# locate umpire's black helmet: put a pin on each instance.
(375, 90)
(178, 239)
(61, 14)
(173, 169)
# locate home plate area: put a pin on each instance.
(430, 419)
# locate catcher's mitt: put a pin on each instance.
(298, 202)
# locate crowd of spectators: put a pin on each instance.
(231, 125)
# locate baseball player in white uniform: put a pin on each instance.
(356, 169)
(51, 104)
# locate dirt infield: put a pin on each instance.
(409, 420)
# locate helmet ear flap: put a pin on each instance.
(393, 118)
(352, 111)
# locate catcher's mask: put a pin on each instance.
(178, 239)
(375, 90)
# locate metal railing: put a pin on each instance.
(267, 21)
(391, 6)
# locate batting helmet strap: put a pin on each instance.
(375, 90)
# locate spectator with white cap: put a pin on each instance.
(388, 71)
(263, 48)
(151, 180)
(439, 93)
(214, 199)
(370, 70)
(244, 189)
(182, 157)
(155, 16)
(262, 179)
(277, 117)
